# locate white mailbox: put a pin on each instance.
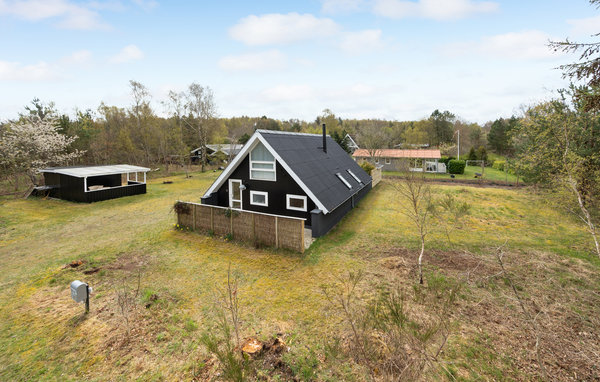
(79, 291)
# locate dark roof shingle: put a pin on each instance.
(317, 169)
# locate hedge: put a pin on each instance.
(499, 165)
(445, 160)
(456, 166)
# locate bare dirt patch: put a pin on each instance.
(561, 294)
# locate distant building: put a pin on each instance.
(230, 150)
(350, 143)
(397, 160)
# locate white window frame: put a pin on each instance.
(388, 161)
(253, 162)
(354, 176)
(377, 160)
(291, 196)
(340, 177)
(263, 193)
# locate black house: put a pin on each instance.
(94, 183)
(292, 174)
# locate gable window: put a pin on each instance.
(343, 180)
(262, 163)
(295, 202)
(388, 161)
(354, 176)
(259, 198)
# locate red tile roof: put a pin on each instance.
(394, 153)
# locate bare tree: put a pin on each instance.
(417, 205)
(202, 111)
(372, 137)
(175, 106)
(127, 296)
(142, 113)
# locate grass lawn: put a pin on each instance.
(488, 174)
(45, 336)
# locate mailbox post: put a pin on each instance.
(80, 292)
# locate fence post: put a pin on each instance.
(276, 234)
(212, 221)
(194, 217)
(231, 222)
(301, 236)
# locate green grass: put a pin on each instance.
(488, 174)
(44, 336)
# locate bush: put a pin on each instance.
(456, 166)
(482, 154)
(445, 160)
(368, 167)
(499, 165)
(472, 154)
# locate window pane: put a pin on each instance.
(297, 203)
(236, 204)
(265, 175)
(257, 166)
(259, 199)
(236, 190)
(260, 153)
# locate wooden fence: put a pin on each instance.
(253, 227)
(376, 174)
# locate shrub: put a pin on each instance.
(472, 155)
(456, 166)
(368, 167)
(445, 160)
(482, 154)
(499, 165)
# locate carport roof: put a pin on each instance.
(85, 171)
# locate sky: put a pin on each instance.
(385, 59)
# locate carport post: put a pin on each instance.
(85, 184)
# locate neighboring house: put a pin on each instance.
(397, 160)
(230, 150)
(292, 174)
(93, 183)
(350, 143)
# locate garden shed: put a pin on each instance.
(94, 183)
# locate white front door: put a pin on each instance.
(235, 194)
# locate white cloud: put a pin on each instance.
(127, 54)
(335, 6)
(78, 58)
(146, 4)
(432, 9)
(587, 26)
(269, 60)
(288, 93)
(14, 71)
(282, 28)
(69, 14)
(362, 42)
(515, 45)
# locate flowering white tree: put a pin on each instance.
(33, 143)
